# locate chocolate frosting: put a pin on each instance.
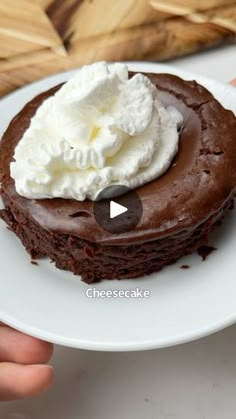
(200, 180)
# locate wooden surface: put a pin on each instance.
(42, 37)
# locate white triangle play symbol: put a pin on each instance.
(116, 209)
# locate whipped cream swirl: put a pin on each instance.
(100, 129)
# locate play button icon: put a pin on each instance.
(118, 209)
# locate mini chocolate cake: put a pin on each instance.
(180, 208)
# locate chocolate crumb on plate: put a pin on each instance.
(204, 251)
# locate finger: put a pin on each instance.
(20, 348)
(19, 381)
(233, 82)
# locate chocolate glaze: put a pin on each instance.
(205, 250)
(200, 180)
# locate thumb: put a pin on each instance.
(19, 381)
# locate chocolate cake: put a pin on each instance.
(179, 209)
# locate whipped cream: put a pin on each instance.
(100, 129)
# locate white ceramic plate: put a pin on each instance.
(183, 305)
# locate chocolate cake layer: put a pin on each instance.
(95, 262)
(179, 208)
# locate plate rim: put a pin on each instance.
(122, 346)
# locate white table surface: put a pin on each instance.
(192, 381)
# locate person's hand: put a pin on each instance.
(23, 371)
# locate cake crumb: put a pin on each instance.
(185, 267)
(34, 262)
(204, 251)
